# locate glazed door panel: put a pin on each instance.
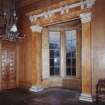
(8, 69)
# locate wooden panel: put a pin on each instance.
(29, 55)
(98, 45)
(8, 65)
(78, 53)
(25, 54)
(36, 58)
(74, 84)
(86, 58)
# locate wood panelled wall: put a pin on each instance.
(8, 65)
(27, 61)
(98, 47)
(25, 47)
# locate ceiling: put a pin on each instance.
(26, 2)
(23, 3)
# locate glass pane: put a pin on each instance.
(74, 54)
(56, 71)
(68, 62)
(51, 70)
(71, 52)
(73, 62)
(54, 40)
(57, 53)
(56, 62)
(68, 54)
(52, 62)
(73, 43)
(68, 44)
(73, 34)
(51, 53)
(70, 35)
(73, 71)
(54, 47)
(68, 71)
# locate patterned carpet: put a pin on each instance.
(53, 96)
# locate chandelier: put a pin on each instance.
(8, 21)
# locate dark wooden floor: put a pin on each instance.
(52, 96)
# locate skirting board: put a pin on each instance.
(86, 97)
(36, 89)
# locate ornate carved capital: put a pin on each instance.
(36, 28)
(86, 17)
(90, 3)
(87, 3)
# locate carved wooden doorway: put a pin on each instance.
(8, 67)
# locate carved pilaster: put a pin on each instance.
(86, 67)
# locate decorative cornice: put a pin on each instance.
(49, 13)
(36, 28)
(84, 4)
(85, 17)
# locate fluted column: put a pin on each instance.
(86, 94)
(36, 58)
